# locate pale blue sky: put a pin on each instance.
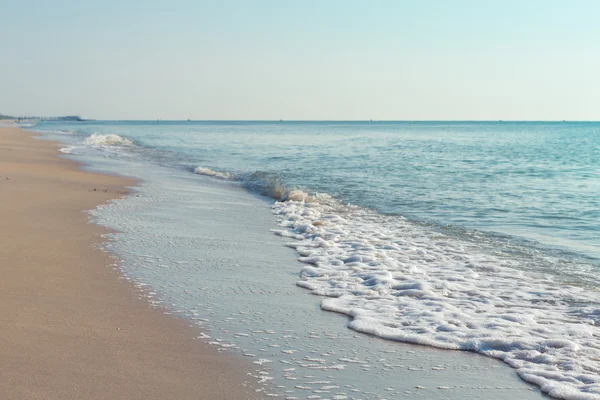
(453, 59)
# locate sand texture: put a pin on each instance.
(70, 328)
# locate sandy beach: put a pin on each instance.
(71, 329)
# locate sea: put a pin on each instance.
(337, 255)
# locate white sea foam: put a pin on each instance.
(214, 174)
(296, 195)
(67, 150)
(398, 281)
(98, 140)
(57, 131)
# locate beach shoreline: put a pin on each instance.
(72, 327)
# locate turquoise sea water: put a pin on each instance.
(527, 180)
(480, 236)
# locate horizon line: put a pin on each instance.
(309, 120)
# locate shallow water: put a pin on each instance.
(205, 252)
(528, 179)
(470, 236)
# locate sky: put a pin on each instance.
(301, 60)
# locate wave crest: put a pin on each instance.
(67, 150)
(214, 174)
(100, 140)
(264, 183)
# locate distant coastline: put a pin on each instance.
(66, 118)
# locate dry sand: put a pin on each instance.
(70, 328)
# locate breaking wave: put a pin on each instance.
(51, 131)
(67, 150)
(99, 140)
(214, 174)
(264, 183)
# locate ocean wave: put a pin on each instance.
(264, 183)
(99, 140)
(67, 150)
(214, 174)
(399, 281)
(55, 131)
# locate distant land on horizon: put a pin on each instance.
(57, 118)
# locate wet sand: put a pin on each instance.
(71, 328)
